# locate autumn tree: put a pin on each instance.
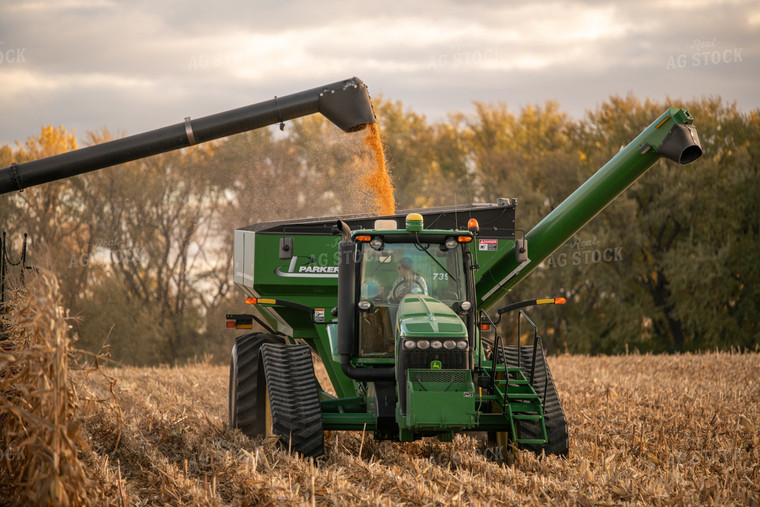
(144, 250)
(59, 224)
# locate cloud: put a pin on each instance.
(139, 65)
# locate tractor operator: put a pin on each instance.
(407, 282)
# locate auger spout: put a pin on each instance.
(672, 136)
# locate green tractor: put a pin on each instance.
(400, 308)
(397, 309)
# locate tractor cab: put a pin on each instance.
(410, 282)
(429, 266)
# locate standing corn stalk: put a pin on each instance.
(39, 432)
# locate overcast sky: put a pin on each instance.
(138, 65)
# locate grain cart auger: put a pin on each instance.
(345, 103)
(394, 306)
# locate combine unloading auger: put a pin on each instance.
(345, 103)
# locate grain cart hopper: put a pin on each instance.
(394, 307)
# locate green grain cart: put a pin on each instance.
(401, 308)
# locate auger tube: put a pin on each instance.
(345, 103)
(671, 136)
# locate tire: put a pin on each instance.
(244, 377)
(292, 410)
(554, 415)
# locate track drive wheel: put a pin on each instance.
(244, 377)
(292, 410)
(554, 415)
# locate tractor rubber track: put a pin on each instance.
(244, 377)
(543, 384)
(287, 374)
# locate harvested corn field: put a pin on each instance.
(647, 429)
(644, 429)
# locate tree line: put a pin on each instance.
(143, 250)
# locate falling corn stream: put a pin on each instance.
(378, 182)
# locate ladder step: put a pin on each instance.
(522, 396)
(526, 417)
(511, 381)
(531, 441)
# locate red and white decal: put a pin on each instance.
(488, 245)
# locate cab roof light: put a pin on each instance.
(464, 239)
(386, 224)
(364, 238)
(473, 226)
(377, 243)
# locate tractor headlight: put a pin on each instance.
(462, 344)
(449, 344)
(365, 305)
(465, 305)
(410, 344)
(423, 344)
(451, 243)
(436, 344)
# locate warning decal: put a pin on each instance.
(488, 245)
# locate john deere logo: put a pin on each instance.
(435, 365)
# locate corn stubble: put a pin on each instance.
(670, 430)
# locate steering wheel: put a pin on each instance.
(400, 290)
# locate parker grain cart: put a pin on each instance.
(397, 307)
